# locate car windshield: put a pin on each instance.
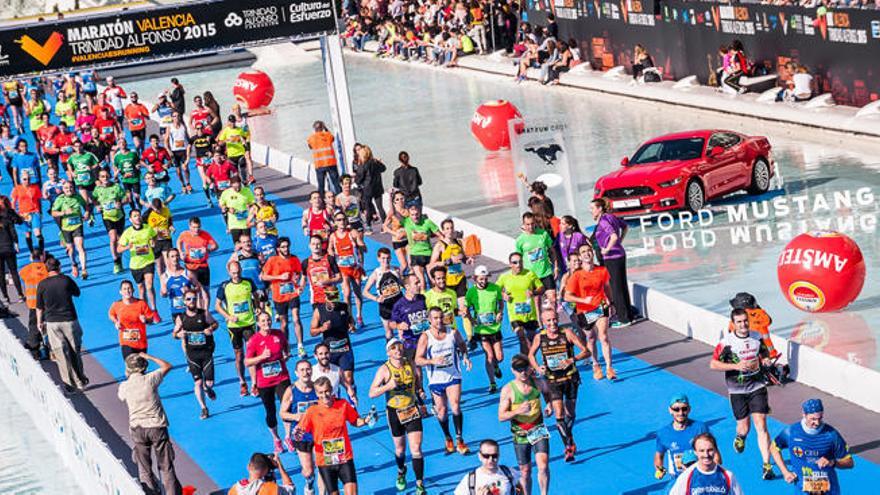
(664, 151)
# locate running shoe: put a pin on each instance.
(117, 268)
(243, 389)
(462, 447)
(610, 373)
(204, 414)
(618, 324)
(569, 453)
(251, 180)
(279, 448)
(597, 372)
(255, 391)
(209, 391)
(739, 444)
(450, 446)
(400, 484)
(85, 274)
(301, 350)
(472, 345)
(288, 444)
(360, 323)
(767, 473)
(493, 388)
(420, 490)
(497, 371)
(156, 317)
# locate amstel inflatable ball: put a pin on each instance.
(489, 124)
(821, 271)
(254, 89)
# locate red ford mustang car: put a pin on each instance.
(687, 169)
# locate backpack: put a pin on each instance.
(472, 480)
(472, 246)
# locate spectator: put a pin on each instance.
(407, 178)
(641, 61)
(478, 26)
(803, 84)
(369, 179)
(549, 61)
(737, 68)
(32, 274)
(57, 314)
(575, 52)
(607, 240)
(490, 477)
(322, 144)
(177, 96)
(563, 64)
(148, 425)
(528, 59)
(261, 467)
(8, 247)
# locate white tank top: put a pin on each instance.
(177, 138)
(445, 348)
(332, 374)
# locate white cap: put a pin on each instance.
(392, 342)
(481, 271)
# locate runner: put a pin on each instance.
(521, 291)
(219, 174)
(706, 476)
(139, 239)
(521, 405)
(130, 316)
(442, 350)
(315, 221)
(560, 373)
(114, 94)
(419, 231)
(251, 268)
(12, 91)
(195, 246)
(106, 128)
(237, 141)
(175, 283)
(203, 115)
(52, 188)
(326, 421)
(127, 169)
(157, 160)
(46, 135)
(322, 273)
(82, 167)
(164, 111)
(572, 265)
(444, 298)
(490, 478)
(485, 311)
(394, 226)
(177, 141)
(410, 318)
(202, 149)
(110, 198)
(347, 246)
(160, 219)
(449, 252)
(136, 117)
(235, 204)
(264, 210)
(26, 198)
(389, 289)
(323, 367)
(539, 256)
(740, 355)
(285, 274)
(349, 204)
(333, 322)
(70, 209)
(195, 328)
(297, 399)
(267, 354)
(65, 110)
(588, 290)
(675, 440)
(235, 303)
(816, 452)
(265, 244)
(396, 379)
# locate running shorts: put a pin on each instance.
(240, 335)
(744, 405)
(491, 338)
(201, 365)
(345, 360)
(115, 225)
(524, 450)
(418, 260)
(399, 244)
(548, 282)
(399, 429)
(161, 245)
(203, 275)
(440, 388)
(70, 234)
(564, 390)
(138, 275)
(333, 474)
(283, 308)
(140, 134)
(460, 289)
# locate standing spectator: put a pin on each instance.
(148, 425)
(32, 274)
(56, 311)
(211, 103)
(478, 26)
(607, 240)
(369, 180)
(322, 144)
(178, 96)
(407, 178)
(8, 248)
(490, 477)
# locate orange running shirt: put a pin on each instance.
(327, 426)
(134, 331)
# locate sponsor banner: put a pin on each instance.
(86, 456)
(540, 154)
(136, 35)
(683, 38)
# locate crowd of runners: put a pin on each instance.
(561, 293)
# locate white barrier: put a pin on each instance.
(809, 366)
(86, 456)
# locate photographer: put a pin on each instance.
(261, 478)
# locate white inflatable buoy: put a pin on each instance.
(551, 180)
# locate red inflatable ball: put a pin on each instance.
(489, 124)
(254, 89)
(821, 271)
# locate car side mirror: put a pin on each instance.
(715, 151)
(624, 161)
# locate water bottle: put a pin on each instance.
(371, 416)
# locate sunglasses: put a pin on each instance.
(680, 409)
(489, 456)
(189, 299)
(517, 262)
(521, 370)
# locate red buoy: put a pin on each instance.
(489, 124)
(254, 89)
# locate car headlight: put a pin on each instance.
(670, 183)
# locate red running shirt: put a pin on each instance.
(272, 371)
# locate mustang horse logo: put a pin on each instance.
(547, 153)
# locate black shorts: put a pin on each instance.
(138, 275)
(529, 327)
(161, 245)
(134, 187)
(333, 474)
(418, 260)
(203, 275)
(283, 308)
(117, 225)
(399, 244)
(88, 188)
(303, 446)
(583, 324)
(201, 365)
(70, 234)
(385, 311)
(490, 338)
(140, 134)
(128, 351)
(460, 289)
(240, 335)
(564, 390)
(548, 282)
(178, 158)
(399, 429)
(523, 451)
(16, 102)
(744, 405)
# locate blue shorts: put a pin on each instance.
(345, 360)
(440, 388)
(35, 221)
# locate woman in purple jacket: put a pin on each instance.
(568, 241)
(608, 240)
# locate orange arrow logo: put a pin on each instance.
(45, 52)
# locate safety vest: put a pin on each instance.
(323, 154)
(32, 274)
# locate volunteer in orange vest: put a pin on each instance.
(321, 142)
(32, 274)
(259, 466)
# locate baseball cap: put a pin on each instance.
(678, 398)
(134, 363)
(160, 96)
(393, 341)
(481, 271)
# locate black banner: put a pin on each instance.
(134, 35)
(841, 48)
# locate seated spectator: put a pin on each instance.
(737, 69)
(561, 65)
(798, 88)
(642, 60)
(575, 52)
(528, 59)
(551, 59)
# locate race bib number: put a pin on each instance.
(334, 450)
(338, 346)
(160, 174)
(196, 338)
(522, 308)
(486, 319)
(74, 221)
(419, 237)
(177, 302)
(271, 369)
(555, 362)
(197, 253)
(223, 184)
(242, 307)
(83, 176)
(408, 414)
(447, 360)
(131, 335)
(287, 288)
(537, 434)
(536, 255)
(815, 481)
(594, 315)
(179, 143)
(142, 249)
(420, 327)
(454, 269)
(110, 206)
(106, 130)
(346, 261)
(241, 215)
(676, 461)
(136, 122)
(302, 407)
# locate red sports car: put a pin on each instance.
(687, 169)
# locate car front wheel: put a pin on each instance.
(760, 177)
(694, 196)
